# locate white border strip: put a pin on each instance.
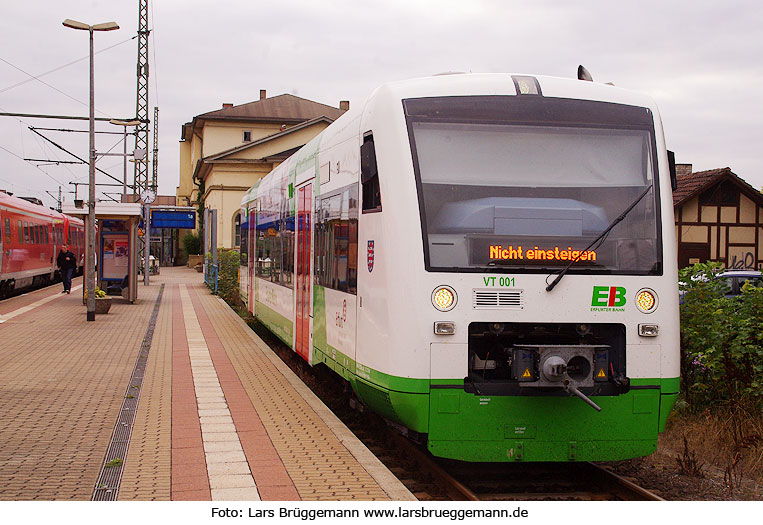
(25, 309)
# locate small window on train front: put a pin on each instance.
(369, 176)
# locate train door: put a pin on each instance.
(304, 285)
(5, 239)
(251, 260)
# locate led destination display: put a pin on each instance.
(485, 251)
(498, 251)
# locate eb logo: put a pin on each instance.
(608, 296)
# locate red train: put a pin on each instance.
(31, 236)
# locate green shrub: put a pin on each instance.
(228, 262)
(191, 243)
(721, 343)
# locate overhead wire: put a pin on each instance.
(54, 88)
(35, 166)
(37, 77)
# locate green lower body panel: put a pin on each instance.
(276, 323)
(480, 428)
(470, 427)
(409, 409)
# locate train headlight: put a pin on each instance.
(646, 300)
(444, 298)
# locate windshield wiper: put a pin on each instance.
(598, 238)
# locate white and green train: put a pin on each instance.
(488, 259)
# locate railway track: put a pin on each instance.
(526, 481)
(434, 479)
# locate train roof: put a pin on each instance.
(21, 204)
(464, 84)
(16, 203)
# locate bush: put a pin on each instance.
(228, 263)
(191, 243)
(721, 342)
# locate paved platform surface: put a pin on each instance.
(218, 415)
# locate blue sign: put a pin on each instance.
(173, 219)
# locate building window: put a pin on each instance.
(237, 229)
(247, 136)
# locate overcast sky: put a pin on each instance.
(700, 60)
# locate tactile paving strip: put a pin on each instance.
(319, 463)
(107, 486)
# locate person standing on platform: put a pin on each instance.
(66, 263)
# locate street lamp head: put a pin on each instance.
(118, 122)
(76, 25)
(106, 26)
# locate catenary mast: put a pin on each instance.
(141, 110)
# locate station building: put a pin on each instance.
(225, 152)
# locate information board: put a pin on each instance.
(173, 219)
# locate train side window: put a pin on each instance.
(369, 176)
(336, 240)
(7, 229)
(26, 232)
(36, 233)
(21, 233)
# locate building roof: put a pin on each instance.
(268, 138)
(693, 184)
(281, 108)
(203, 166)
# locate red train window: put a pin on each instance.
(7, 229)
(21, 233)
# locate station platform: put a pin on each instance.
(170, 398)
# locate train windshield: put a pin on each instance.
(526, 183)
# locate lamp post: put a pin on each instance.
(90, 263)
(124, 123)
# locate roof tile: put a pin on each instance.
(280, 108)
